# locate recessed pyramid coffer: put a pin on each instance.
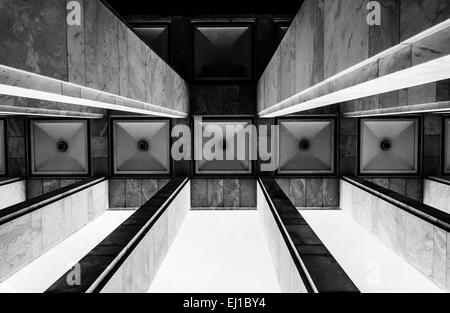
(2, 148)
(141, 147)
(230, 166)
(447, 146)
(306, 146)
(389, 146)
(223, 52)
(59, 147)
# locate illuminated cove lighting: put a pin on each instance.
(19, 83)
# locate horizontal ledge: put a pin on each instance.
(404, 109)
(8, 181)
(223, 209)
(20, 83)
(28, 206)
(416, 208)
(101, 263)
(432, 71)
(319, 94)
(30, 111)
(441, 180)
(306, 249)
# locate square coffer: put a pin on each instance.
(306, 146)
(59, 147)
(141, 147)
(389, 146)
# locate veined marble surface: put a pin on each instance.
(29, 236)
(12, 193)
(422, 244)
(46, 269)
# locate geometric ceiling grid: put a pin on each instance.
(306, 146)
(233, 165)
(59, 148)
(2, 148)
(141, 147)
(223, 53)
(389, 146)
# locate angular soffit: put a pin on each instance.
(306, 147)
(59, 148)
(141, 147)
(223, 52)
(389, 146)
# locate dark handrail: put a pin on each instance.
(101, 263)
(318, 269)
(8, 181)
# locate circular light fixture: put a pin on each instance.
(386, 145)
(143, 146)
(62, 146)
(304, 145)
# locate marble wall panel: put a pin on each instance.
(156, 73)
(418, 15)
(346, 43)
(53, 222)
(231, 193)
(133, 192)
(303, 33)
(319, 41)
(431, 47)
(101, 47)
(314, 193)
(287, 273)
(287, 64)
(401, 232)
(298, 192)
(160, 243)
(423, 245)
(285, 185)
(248, 193)
(272, 83)
(448, 261)
(12, 193)
(15, 245)
(149, 189)
(215, 193)
(440, 257)
(123, 58)
(138, 270)
(76, 210)
(76, 51)
(32, 39)
(419, 244)
(137, 74)
(199, 193)
(169, 87)
(386, 35)
(436, 195)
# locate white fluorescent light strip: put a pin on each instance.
(74, 115)
(436, 70)
(432, 107)
(148, 109)
(433, 30)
